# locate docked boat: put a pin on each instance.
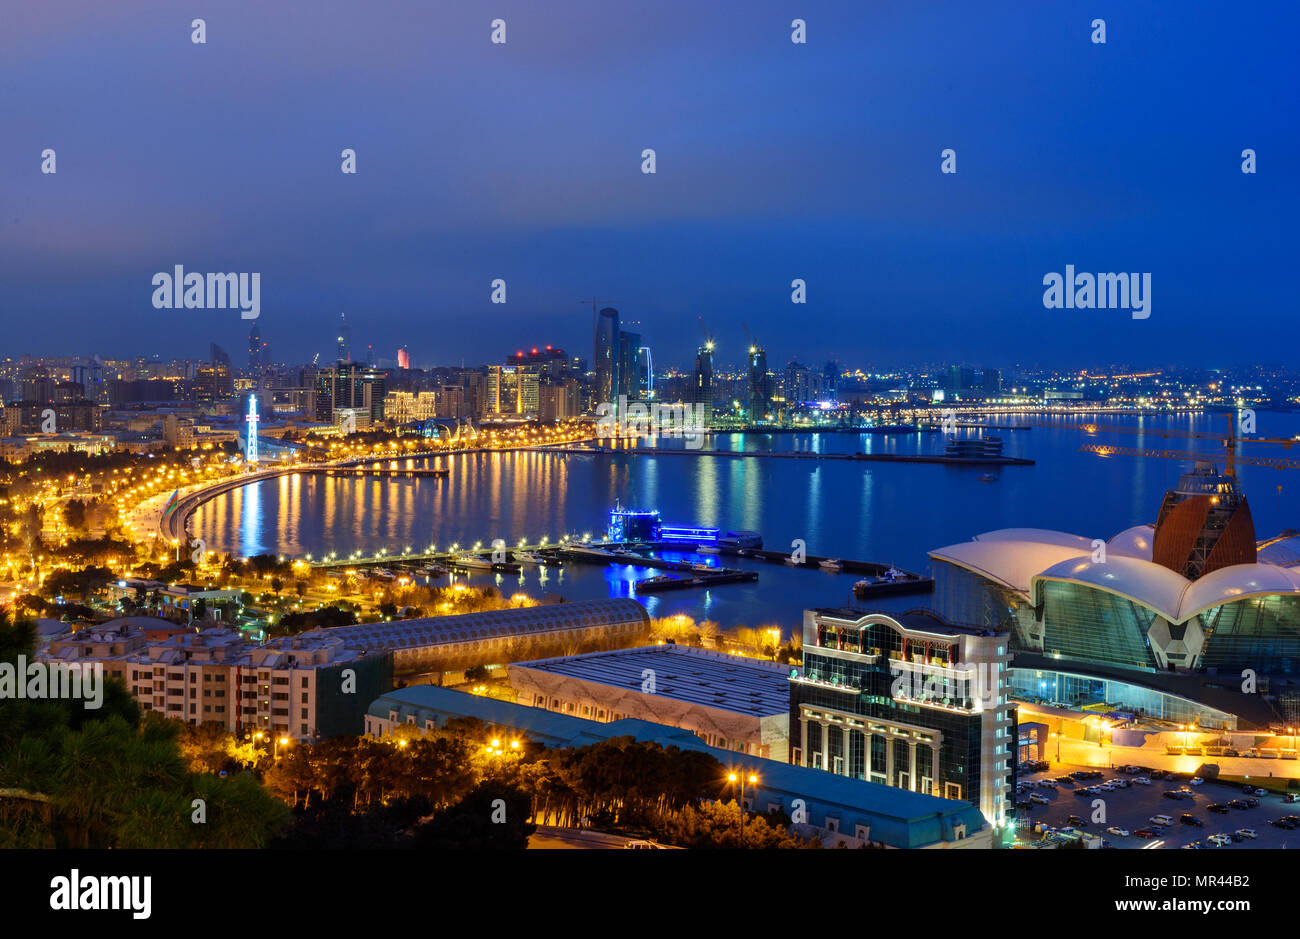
(434, 570)
(831, 564)
(527, 557)
(704, 568)
(741, 539)
(473, 562)
(708, 549)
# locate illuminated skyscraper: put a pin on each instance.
(343, 351)
(702, 390)
(606, 360)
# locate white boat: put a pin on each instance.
(591, 552)
(527, 557)
(830, 564)
(472, 561)
(704, 568)
(708, 549)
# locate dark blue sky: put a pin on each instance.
(775, 161)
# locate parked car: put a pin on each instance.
(1158, 773)
(1117, 832)
(1251, 802)
(1247, 833)
(1145, 833)
(1219, 841)
(1047, 783)
(1077, 822)
(1187, 818)
(1194, 846)
(1142, 781)
(1229, 751)
(1065, 780)
(1038, 799)
(1282, 823)
(1218, 807)
(1164, 821)
(1258, 792)
(1292, 797)
(1196, 780)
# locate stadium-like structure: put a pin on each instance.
(1188, 618)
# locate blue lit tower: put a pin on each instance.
(250, 446)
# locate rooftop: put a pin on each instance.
(696, 676)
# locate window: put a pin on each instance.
(862, 832)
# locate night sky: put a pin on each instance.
(523, 161)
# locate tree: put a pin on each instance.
(74, 514)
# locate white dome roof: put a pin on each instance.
(1237, 581)
(1285, 552)
(1155, 587)
(1012, 556)
(1135, 542)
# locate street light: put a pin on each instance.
(743, 778)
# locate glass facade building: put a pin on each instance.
(909, 701)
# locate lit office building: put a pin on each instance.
(910, 701)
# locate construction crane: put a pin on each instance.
(708, 338)
(594, 304)
(753, 346)
(1230, 459)
(1228, 439)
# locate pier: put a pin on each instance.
(937, 458)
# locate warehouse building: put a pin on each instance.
(728, 701)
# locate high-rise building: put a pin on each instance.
(343, 345)
(403, 358)
(759, 385)
(992, 380)
(702, 384)
(350, 387)
(798, 383)
(606, 356)
(908, 700)
(559, 401)
(255, 362)
(831, 381)
(512, 390)
(629, 366)
(36, 384)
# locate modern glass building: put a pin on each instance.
(911, 701)
(1093, 605)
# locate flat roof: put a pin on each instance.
(696, 676)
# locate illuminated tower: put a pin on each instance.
(250, 448)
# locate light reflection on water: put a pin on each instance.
(889, 513)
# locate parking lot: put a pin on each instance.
(1131, 809)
